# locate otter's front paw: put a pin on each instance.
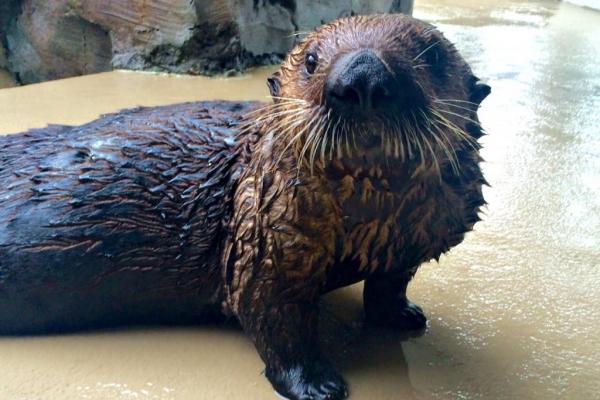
(402, 314)
(319, 381)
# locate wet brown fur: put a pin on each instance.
(310, 203)
(308, 220)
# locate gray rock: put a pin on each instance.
(3, 60)
(49, 39)
(7, 14)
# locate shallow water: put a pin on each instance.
(78, 100)
(513, 310)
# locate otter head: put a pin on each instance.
(385, 83)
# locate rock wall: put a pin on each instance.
(3, 60)
(7, 11)
(50, 39)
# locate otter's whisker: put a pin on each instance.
(316, 139)
(433, 156)
(421, 66)
(472, 142)
(396, 149)
(409, 138)
(325, 134)
(386, 144)
(338, 137)
(310, 138)
(273, 104)
(320, 138)
(388, 141)
(390, 131)
(284, 127)
(259, 121)
(444, 103)
(263, 111)
(445, 139)
(329, 131)
(346, 139)
(281, 113)
(450, 154)
(459, 132)
(292, 121)
(420, 142)
(297, 136)
(404, 153)
(426, 50)
(383, 143)
(321, 143)
(397, 136)
(458, 115)
(353, 135)
(284, 130)
(309, 121)
(419, 145)
(288, 98)
(387, 65)
(458, 101)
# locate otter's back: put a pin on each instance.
(119, 220)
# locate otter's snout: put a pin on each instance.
(360, 82)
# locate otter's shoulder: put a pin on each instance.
(133, 169)
(216, 118)
(224, 112)
(185, 126)
(212, 113)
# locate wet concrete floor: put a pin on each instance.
(513, 310)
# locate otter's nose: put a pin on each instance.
(359, 81)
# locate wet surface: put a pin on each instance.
(79, 100)
(513, 310)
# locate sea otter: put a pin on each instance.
(364, 166)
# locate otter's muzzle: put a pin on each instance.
(360, 82)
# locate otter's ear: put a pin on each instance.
(274, 84)
(479, 91)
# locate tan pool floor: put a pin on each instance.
(514, 310)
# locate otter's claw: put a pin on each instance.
(318, 382)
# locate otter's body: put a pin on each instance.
(365, 166)
(117, 221)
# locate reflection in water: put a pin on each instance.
(513, 310)
(371, 358)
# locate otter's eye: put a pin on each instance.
(311, 62)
